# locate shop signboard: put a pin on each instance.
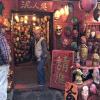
(35, 5)
(62, 60)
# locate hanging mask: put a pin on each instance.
(93, 34)
(59, 30)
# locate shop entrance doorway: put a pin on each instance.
(22, 26)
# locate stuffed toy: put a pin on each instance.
(85, 92)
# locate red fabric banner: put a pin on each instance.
(62, 61)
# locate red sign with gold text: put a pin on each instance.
(62, 61)
(41, 5)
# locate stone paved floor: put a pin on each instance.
(49, 94)
(26, 85)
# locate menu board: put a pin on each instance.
(62, 60)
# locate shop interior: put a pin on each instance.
(23, 24)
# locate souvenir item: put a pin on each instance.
(93, 88)
(96, 47)
(78, 57)
(78, 76)
(97, 34)
(90, 47)
(83, 50)
(58, 29)
(85, 73)
(71, 91)
(95, 59)
(96, 13)
(83, 40)
(75, 33)
(83, 53)
(74, 20)
(96, 76)
(85, 92)
(67, 31)
(88, 5)
(88, 32)
(74, 46)
(93, 34)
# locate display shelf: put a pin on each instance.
(10, 79)
(89, 68)
(88, 82)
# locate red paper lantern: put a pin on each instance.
(88, 5)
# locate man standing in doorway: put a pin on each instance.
(41, 54)
(4, 63)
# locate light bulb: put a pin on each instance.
(26, 17)
(57, 14)
(62, 11)
(17, 18)
(34, 18)
(66, 10)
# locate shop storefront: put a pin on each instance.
(72, 32)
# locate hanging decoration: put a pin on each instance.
(62, 13)
(96, 13)
(71, 7)
(57, 14)
(88, 5)
(74, 20)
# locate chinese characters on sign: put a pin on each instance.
(36, 5)
(28, 4)
(61, 71)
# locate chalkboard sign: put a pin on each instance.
(62, 61)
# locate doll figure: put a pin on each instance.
(93, 89)
(96, 76)
(96, 47)
(83, 50)
(78, 76)
(93, 33)
(95, 60)
(85, 92)
(88, 32)
(90, 47)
